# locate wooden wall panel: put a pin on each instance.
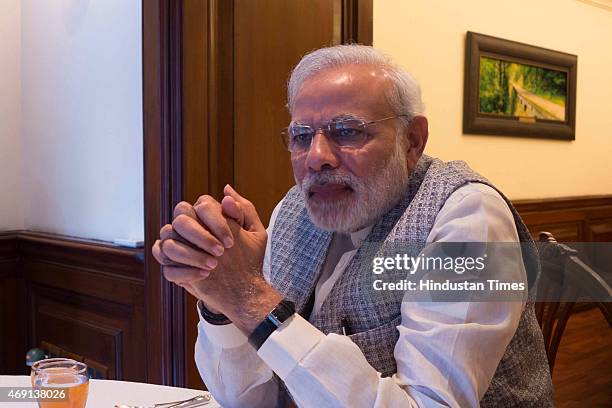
(579, 219)
(600, 230)
(10, 335)
(8, 247)
(67, 324)
(87, 298)
(87, 254)
(77, 298)
(12, 298)
(563, 231)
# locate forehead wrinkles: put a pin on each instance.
(357, 89)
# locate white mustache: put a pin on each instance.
(320, 179)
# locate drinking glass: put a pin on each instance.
(53, 375)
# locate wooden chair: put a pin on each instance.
(564, 276)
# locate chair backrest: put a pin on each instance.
(564, 277)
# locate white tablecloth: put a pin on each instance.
(107, 393)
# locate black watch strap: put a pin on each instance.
(218, 319)
(284, 310)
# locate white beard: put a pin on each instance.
(370, 199)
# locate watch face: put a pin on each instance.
(273, 320)
(282, 312)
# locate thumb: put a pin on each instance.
(232, 209)
(251, 221)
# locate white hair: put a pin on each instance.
(404, 95)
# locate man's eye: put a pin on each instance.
(347, 133)
(346, 130)
(301, 138)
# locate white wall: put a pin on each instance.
(82, 117)
(11, 200)
(428, 38)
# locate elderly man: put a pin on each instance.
(282, 317)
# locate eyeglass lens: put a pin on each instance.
(343, 133)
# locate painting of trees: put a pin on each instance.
(503, 85)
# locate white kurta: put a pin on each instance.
(446, 354)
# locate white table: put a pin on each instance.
(107, 393)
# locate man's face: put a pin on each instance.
(346, 189)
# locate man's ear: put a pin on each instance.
(416, 134)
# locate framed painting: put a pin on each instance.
(515, 89)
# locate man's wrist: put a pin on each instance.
(217, 319)
(255, 309)
(273, 320)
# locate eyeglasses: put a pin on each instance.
(346, 133)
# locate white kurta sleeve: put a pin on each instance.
(446, 354)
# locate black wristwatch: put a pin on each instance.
(284, 310)
(218, 319)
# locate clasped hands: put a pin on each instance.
(215, 251)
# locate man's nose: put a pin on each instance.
(321, 154)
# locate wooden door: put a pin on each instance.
(237, 57)
(270, 37)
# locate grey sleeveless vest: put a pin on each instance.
(298, 250)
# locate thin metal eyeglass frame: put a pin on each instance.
(327, 128)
